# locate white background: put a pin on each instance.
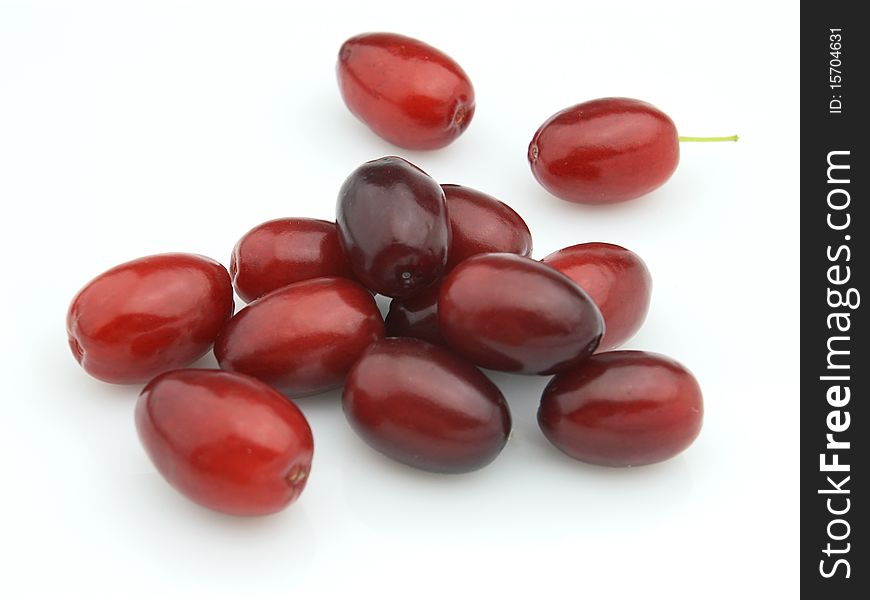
(129, 129)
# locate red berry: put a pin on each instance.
(284, 251)
(407, 92)
(302, 338)
(511, 313)
(420, 405)
(616, 279)
(605, 151)
(392, 223)
(479, 223)
(226, 441)
(622, 409)
(416, 316)
(148, 316)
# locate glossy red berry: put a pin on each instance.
(604, 151)
(419, 404)
(511, 313)
(409, 93)
(148, 316)
(284, 251)
(416, 316)
(224, 440)
(622, 409)
(302, 338)
(616, 279)
(392, 223)
(480, 223)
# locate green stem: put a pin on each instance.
(729, 138)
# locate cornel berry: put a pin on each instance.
(607, 150)
(224, 440)
(283, 251)
(622, 409)
(604, 151)
(149, 315)
(392, 223)
(512, 313)
(302, 338)
(406, 91)
(480, 223)
(416, 316)
(616, 279)
(420, 405)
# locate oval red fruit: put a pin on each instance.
(511, 313)
(283, 251)
(415, 316)
(302, 338)
(148, 316)
(226, 441)
(392, 224)
(409, 93)
(605, 151)
(420, 405)
(622, 409)
(616, 279)
(480, 223)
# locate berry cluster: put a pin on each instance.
(465, 294)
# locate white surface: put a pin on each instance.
(127, 130)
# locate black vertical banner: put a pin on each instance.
(835, 364)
